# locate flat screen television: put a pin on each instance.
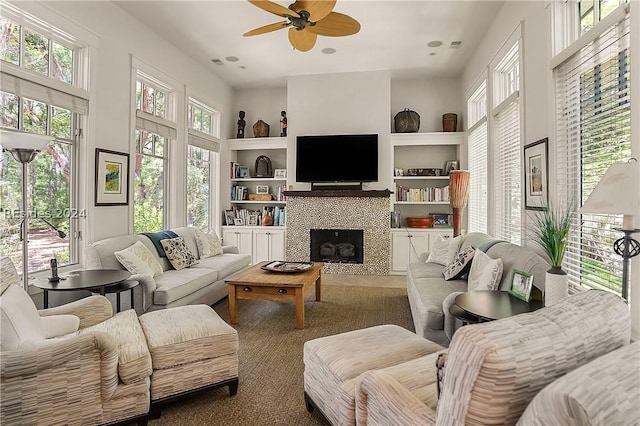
(337, 158)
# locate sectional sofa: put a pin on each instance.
(430, 296)
(202, 283)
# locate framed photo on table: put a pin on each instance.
(112, 178)
(536, 175)
(521, 284)
(451, 165)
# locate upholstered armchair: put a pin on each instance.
(493, 370)
(74, 364)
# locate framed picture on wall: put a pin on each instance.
(112, 178)
(536, 175)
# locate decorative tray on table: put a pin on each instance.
(281, 266)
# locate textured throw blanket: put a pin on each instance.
(155, 238)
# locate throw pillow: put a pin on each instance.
(485, 272)
(138, 259)
(178, 253)
(209, 244)
(444, 250)
(460, 265)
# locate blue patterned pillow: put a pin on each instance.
(178, 253)
(460, 265)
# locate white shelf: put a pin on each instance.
(257, 202)
(258, 179)
(421, 178)
(257, 143)
(432, 138)
(434, 203)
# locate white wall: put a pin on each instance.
(341, 103)
(431, 98)
(120, 36)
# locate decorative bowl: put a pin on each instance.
(419, 222)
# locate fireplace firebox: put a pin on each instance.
(337, 245)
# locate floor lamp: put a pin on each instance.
(24, 147)
(458, 196)
(618, 192)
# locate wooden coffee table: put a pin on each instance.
(258, 284)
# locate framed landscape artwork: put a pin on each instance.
(536, 175)
(112, 178)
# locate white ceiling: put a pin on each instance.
(393, 36)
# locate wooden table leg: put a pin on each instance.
(299, 295)
(233, 306)
(319, 286)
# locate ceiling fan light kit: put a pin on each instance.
(306, 20)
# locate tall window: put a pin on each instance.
(155, 128)
(477, 142)
(38, 74)
(593, 131)
(204, 145)
(508, 169)
(593, 11)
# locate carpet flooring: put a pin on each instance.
(271, 367)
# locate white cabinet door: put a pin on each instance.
(268, 244)
(406, 245)
(239, 237)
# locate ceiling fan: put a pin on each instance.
(307, 19)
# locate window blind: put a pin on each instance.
(204, 140)
(593, 115)
(157, 125)
(508, 172)
(39, 92)
(478, 197)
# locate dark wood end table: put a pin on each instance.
(487, 305)
(95, 280)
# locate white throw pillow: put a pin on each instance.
(178, 253)
(137, 259)
(485, 273)
(209, 244)
(444, 250)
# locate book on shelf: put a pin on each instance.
(418, 195)
(257, 217)
(239, 193)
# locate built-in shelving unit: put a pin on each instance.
(422, 151)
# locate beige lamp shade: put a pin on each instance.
(23, 146)
(618, 192)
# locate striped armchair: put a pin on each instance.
(495, 369)
(58, 367)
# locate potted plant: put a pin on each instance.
(550, 231)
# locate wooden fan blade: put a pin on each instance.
(335, 25)
(274, 8)
(302, 40)
(317, 9)
(267, 29)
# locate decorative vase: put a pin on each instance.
(407, 121)
(260, 129)
(556, 286)
(449, 122)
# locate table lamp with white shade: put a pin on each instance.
(24, 147)
(618, 192)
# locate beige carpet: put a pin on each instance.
(271, 366)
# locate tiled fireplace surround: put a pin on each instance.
(371, 214)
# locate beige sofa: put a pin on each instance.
(200, 283)
(430, 296)
(495, 369)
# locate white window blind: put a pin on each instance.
(478, 197)
(593, 131)
(45, 93)
(508, 171)
(157, 125)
